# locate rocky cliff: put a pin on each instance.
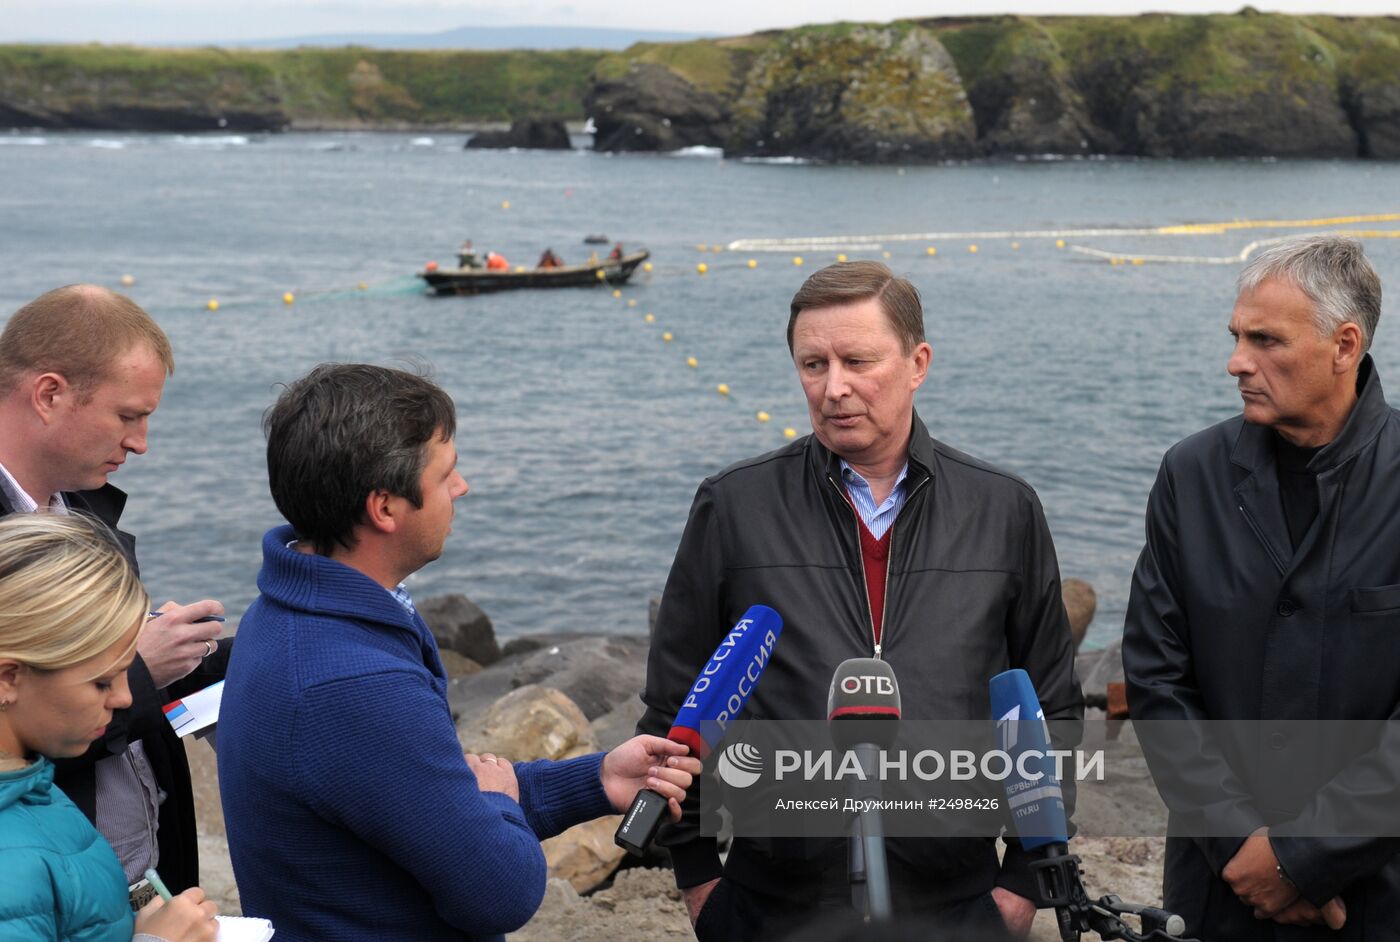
(1154, 85)
(859, 93)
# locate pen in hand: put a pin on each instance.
(195, 622)
(158, 884)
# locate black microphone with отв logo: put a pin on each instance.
(714, 700)
(863, 710)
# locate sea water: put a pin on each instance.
(582, 432)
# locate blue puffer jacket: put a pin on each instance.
(62, 881)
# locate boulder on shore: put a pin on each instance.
(532, 722)
(526, 133)
(460, 625)
(596, 673)
(1080, 605)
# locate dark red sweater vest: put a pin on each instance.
(875, 556)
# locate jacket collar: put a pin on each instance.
(106, 502)
(321, 585)
(921, 454)
(1254, 448)
(31, 785)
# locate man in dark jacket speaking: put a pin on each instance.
(871, 539)
(1268, 595)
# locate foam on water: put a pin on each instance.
(210, 140)
(699, 150)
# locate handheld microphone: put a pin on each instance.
(1037, 805)
(714, 700)
(863, 710)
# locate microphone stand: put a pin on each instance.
(1058, 884)
(867, 867)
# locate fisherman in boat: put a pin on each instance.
(550, 260)
(466, 256)
(616, 254)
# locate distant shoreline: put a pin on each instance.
(1247, 84)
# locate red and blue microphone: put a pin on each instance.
(714, 700)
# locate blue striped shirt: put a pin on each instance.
(400, 594)
(878, 520)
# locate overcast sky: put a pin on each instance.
(182, 21)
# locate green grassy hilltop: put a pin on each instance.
(135, 87)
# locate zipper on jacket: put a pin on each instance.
(865, 592)
(855, 518)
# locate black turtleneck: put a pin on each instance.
(1297, 486)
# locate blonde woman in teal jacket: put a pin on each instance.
(70, 612)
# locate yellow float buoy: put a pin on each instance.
(505, 204)
(789, 433)
(1015, 245)
(128, 280)
(722, 389)
(702, 247)
(362, 286)
(651, 318)
(931, 250)
(797, 260)
(213, 304)
(972, 249)
(601, 274)
(617, 292)
(1059, 243)
(886, 255)
(841, 258)
(762, 416)
(717, 249)
(519, 269)
(289, 298)
(701, 268)
(692, 362)
(1138, 261)
(646, 267)
(666, 336)
(753, 263)
(631, 302)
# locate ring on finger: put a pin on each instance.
(209, 647)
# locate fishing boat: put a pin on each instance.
(477, 279)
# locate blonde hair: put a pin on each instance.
(66, 591)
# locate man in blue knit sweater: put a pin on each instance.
(352, 813)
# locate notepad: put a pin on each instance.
(243, 929)
(197, 711)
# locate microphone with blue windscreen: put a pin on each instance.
(718, 696)
(1036, 803)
